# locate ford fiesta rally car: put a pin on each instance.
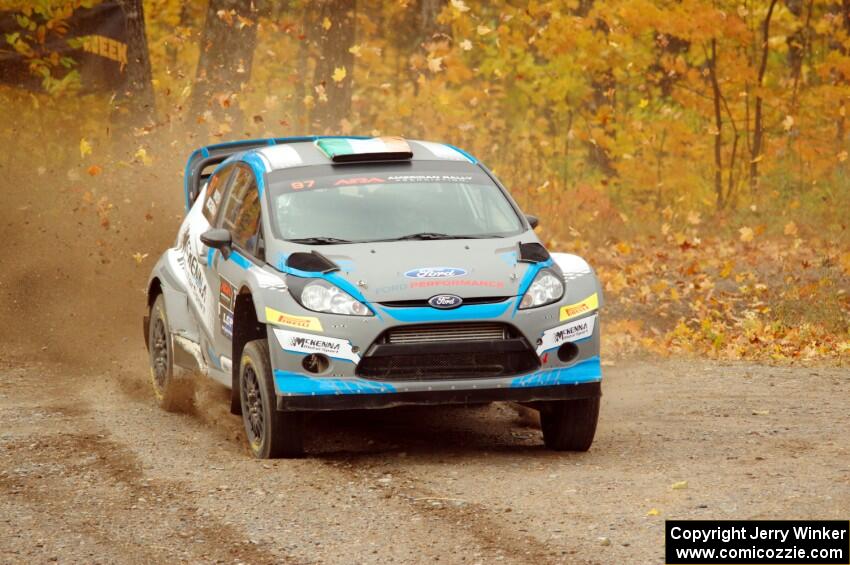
(331, 273)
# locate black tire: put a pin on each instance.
(569, 425)
(271, 433)
(172, 393)
(236, 397)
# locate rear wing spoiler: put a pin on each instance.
(202, 162)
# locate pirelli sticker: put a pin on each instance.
(302, 322)
(589, 304)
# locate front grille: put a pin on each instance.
(448, 351)
(423, 303)
(447, 332)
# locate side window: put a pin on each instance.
(215, 192)
(242, 211)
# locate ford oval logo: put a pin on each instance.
(445, 301)
(435, 273)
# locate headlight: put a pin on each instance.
(546, 289)
(321, 296)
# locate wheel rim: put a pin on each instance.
(253, 406)
(159, 354)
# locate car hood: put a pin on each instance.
(417, 270)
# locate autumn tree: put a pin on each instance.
(135, 103)
(332, 32)
(227, 45)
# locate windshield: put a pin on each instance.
(421, 200)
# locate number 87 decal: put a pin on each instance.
(299, 184)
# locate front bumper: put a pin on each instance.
(351, 383)
(370, 401)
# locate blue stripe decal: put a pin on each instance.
(213, 358)
(585, 371)
(287, 382)
(240, 260)
(472, 159)
(469, 312)
(210, 256)
(259, 168)
(530, 273)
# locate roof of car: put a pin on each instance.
(283, 154)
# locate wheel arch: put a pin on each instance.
(246, 327)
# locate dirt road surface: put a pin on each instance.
(92, 472)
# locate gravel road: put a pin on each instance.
(92, 472)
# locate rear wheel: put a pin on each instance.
(271, 433)
(172, 393)
(569, 425)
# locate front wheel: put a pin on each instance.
(172, 393)
(271, 433)
(569, 425)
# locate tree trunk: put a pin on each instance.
(227, 53)
(335, 64)
(718, 126)
(758, 126)
(135, 103)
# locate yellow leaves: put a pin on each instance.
(643, 103)
(679, 485)
(309, 102)
(842, 156)
(747, 234)
(844, 261)
(435, 64)
(354, 50)
(483, 30)
(85, 148)
(728, 266)
(653, 512)
(616, 283)
(694, 218)
(326, 23)
(339, 74)
(788, 123)
(139, 257)
(790, 228)
(142, 156)
(460, 6)
(758, 159)
(623, 248)
(466, 45)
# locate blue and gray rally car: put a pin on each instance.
(332, 273)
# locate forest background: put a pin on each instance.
(694, 151)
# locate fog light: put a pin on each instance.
(567, 352)
(316, 363)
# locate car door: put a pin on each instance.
(240, 215)
(194, 255)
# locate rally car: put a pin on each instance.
(332, 273)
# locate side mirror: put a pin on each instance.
(218, 238)
(533, 221)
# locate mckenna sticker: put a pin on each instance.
(588, 304)
(573, 331)
(303, 322)
(307, 343)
